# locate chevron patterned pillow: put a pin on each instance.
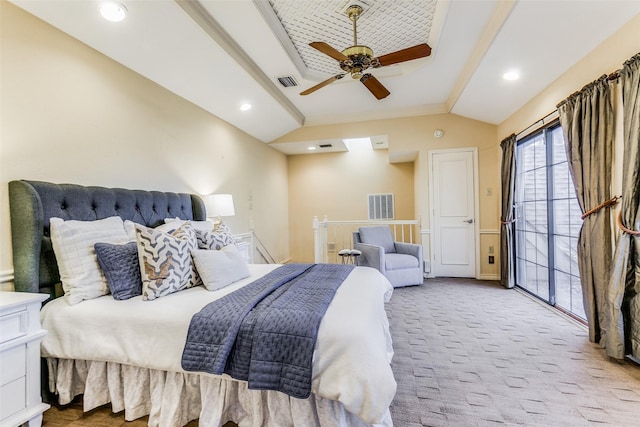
(165, 260)
(217, 239)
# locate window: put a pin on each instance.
(547, 221)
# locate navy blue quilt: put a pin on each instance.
(265, 333)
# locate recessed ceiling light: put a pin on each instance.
(245, 107)
(511, 75)
(113, 11)
(311, 148)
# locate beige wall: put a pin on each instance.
(411, 134)
(70, 114)
(603, 59)
(337, 185)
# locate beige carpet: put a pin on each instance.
(471, 353)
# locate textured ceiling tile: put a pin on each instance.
(385, 26)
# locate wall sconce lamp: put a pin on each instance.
(219, 205)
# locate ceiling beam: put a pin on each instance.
(498, 18)
(203, 18)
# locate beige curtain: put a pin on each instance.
(587, 121)
(623, 297)
(507, 262)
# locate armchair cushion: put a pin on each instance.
(400, 261)
(378, 235)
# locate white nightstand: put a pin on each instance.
(20, 335)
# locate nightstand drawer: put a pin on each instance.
(12, 398)
(13, 325)
(13, 364)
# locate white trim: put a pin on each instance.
(476, 184)
(489, 231)
(6, 276)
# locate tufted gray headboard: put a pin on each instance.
(33, 203)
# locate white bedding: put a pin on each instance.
(351, 361)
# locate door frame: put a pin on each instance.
(476, 207)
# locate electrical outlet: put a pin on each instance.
(491, 249)
(492, 260)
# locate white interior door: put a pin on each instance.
(454, 207)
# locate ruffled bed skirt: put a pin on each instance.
(173, 398)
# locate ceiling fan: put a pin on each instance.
(355, 60)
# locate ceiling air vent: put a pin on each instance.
(287, 81)
(325, 145)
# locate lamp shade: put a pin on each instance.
(219, 205)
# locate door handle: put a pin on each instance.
(469, 221)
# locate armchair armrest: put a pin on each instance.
(372, 256)
(410, 249)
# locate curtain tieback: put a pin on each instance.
(625, 229)
(612, 201)
(511, 221)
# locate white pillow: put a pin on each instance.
(73, 243)
(221, 268)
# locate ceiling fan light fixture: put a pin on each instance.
(357, 59)
(113, 11)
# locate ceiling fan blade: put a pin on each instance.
(374, 86)
(328, 50)
(415, 52)
(322, 84)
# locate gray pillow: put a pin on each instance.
(121, 267)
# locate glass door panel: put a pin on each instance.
(547, 222)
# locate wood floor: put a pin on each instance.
(72, 416)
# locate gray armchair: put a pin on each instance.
(401, 263)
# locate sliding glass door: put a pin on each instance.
(547, 221)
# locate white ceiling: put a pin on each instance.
(220, 54)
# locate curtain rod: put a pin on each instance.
(554, 114)
(537, 125)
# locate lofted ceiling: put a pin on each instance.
(220, 54)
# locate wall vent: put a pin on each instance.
(381, 206)
(287, 81)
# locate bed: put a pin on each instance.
(128, 352)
